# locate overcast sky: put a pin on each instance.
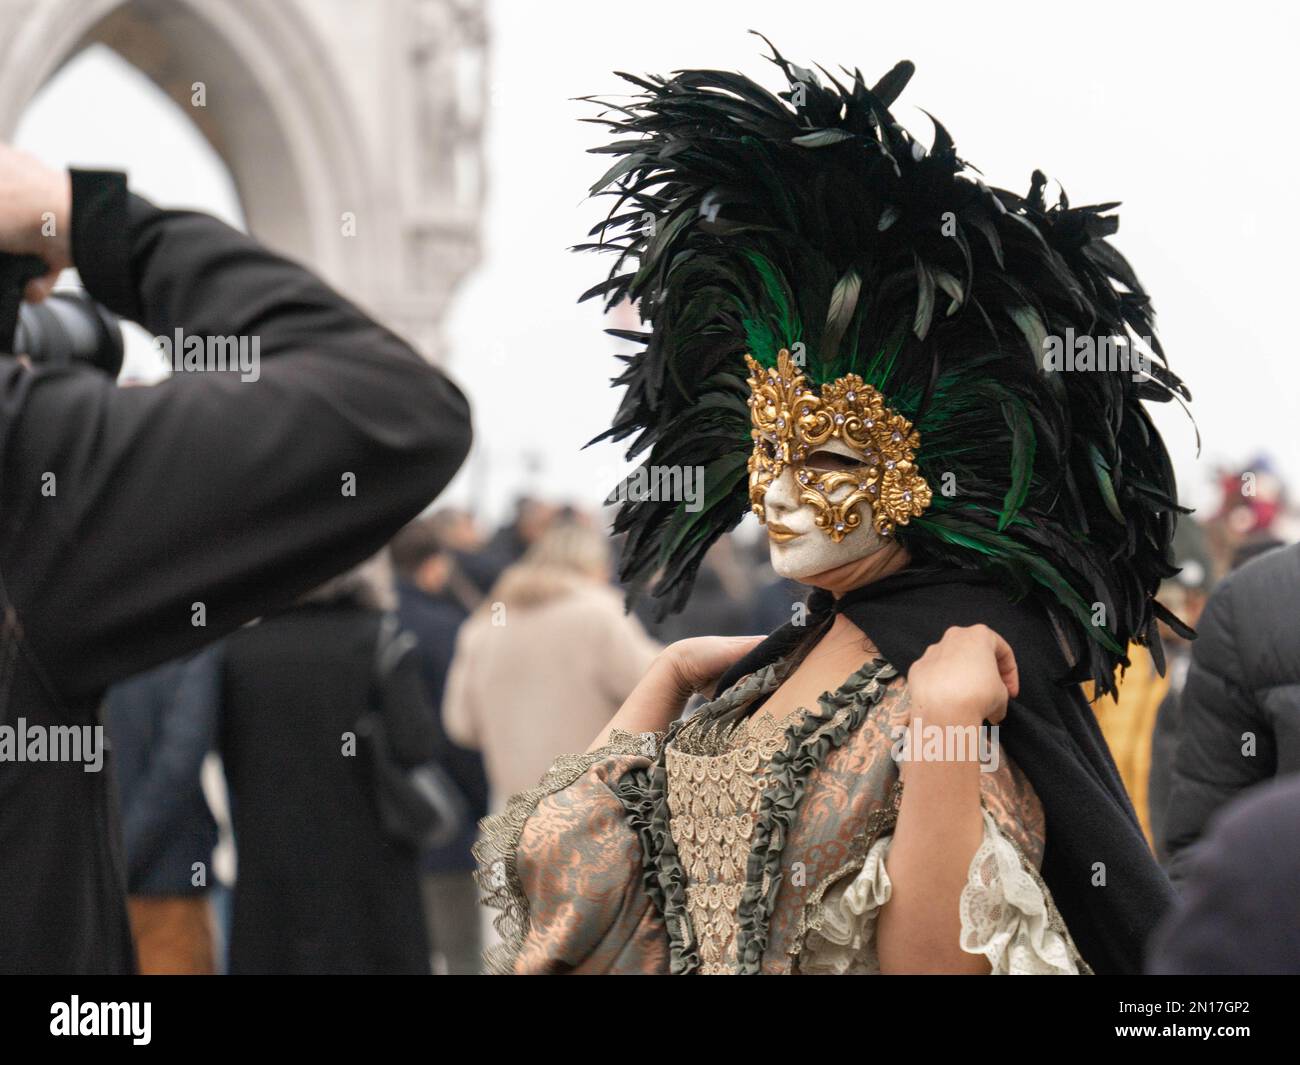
(1186, 119)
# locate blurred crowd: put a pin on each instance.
(304, 796)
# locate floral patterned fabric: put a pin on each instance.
(601, 869)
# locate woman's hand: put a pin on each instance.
(698, 663)
(964, 679)
(680, 669)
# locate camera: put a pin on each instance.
(67, 326)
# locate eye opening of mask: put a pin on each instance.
(824, 461)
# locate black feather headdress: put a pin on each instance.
(747, 222)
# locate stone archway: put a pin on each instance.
(328, 116)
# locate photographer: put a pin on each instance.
(137, 525)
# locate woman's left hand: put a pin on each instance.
(964, 679)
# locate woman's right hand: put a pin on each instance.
(697, 663)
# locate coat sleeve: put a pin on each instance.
(1225, 745)
(142, 523)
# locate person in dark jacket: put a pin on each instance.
(510, 542)
(139, 524)
(319, 888)
(161, 724)
(1240, 908)
(1185, 594)
(720, 603)
(430, 610)
(1241, 704)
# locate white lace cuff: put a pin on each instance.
(1005, 915)
(843, 941)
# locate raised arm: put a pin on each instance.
(961, 681)
(132, 515)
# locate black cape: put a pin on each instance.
(1102, 875)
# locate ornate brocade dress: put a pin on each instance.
(717, 774)
(738, 843)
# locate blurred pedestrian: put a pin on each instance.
(475, 566)
(1252, 510)
(1239, 914)
(546, 659)
(1241, 705)
(532, 517)
(1185, 594)
(431, 611)
(320, 888)
(162, 724)
(720, 603)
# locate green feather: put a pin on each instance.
(1023, 444)
(1107, 486)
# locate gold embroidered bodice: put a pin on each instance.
(716, 777)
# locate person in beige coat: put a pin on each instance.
(545, 661)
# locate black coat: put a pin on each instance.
(202, 490)
(319, 889)
(1240, 710)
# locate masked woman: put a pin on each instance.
(930, 392)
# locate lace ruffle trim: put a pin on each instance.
(1007, 914)
(839, 714)
(645, 799)
(842, 939)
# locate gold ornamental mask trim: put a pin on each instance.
(790, 421)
